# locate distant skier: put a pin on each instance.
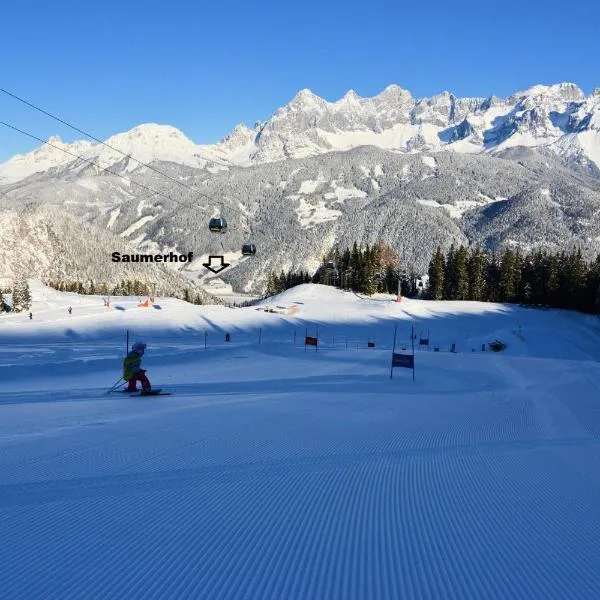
(30, 316)
(70, 310)
(132, 369)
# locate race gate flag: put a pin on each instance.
(403, 360)
(311, 341)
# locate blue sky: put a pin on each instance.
(204, 67)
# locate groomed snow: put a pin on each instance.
(275, 473)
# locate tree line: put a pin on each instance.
(21, 296)
(126, 287)
(540, 278)
(365, 269)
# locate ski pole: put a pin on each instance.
(114, 386)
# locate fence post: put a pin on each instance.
(259, 335)
(127, 343)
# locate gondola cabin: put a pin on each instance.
(248, 249)
(218, 225)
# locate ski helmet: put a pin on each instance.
(138, 346)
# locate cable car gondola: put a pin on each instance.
(218, 225)
(248, 249)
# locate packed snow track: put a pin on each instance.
(275, 473)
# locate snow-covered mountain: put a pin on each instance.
(560, 117)
(298, 209)
(414, 173)
(121, 153)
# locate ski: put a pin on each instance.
(151, 393)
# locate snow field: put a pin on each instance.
(279, 473)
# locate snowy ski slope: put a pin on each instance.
(279, 473)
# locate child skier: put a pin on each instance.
(132, 370)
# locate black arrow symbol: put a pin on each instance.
(218, 268)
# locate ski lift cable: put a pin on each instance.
(91, 162)
(45, 112)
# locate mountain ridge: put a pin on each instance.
(309, 125)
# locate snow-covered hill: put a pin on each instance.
(276, 473)
(42, 241)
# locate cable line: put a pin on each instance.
(45, 112)
(153, 192)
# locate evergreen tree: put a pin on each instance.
(462, 274)
(508, 278)
(553, 279)
(436, 276)
(450, 278)
(271, 285)
(492, 278)
(369, 281)
(345, 260)
(355, 266)
(591, 289)
(575, 279)
(518, 274)
(390, 281)
(477, 275)
(21, 295)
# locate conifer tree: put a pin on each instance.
(355, 265)
(477, 275)
(450, 278)
(575, 278)
(492, 277)
(591, 289)
(345, 260)
(553, 280)
(507, 289)
(436, 276)
(462, 274)
(21, 295)
(271, 285)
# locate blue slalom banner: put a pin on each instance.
(403, 360)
